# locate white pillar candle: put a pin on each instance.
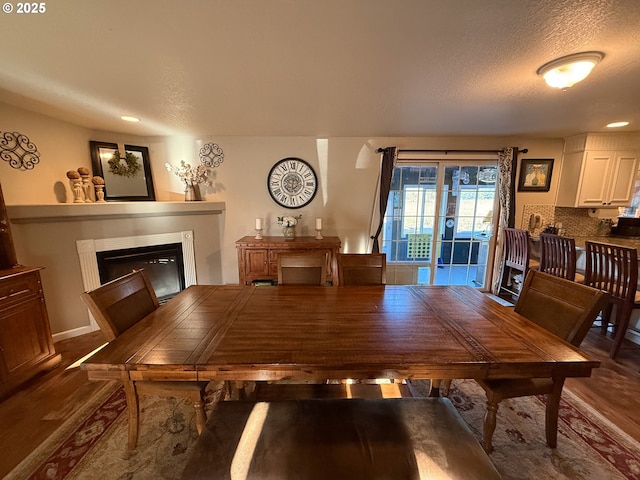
(318, 224)
(258, 224)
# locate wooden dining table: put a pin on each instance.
(309, 333)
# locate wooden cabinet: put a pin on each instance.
(597, 178)
(26, 346)
(258, 259)
(7, 250)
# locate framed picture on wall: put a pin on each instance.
(535, 175)
(127, 176)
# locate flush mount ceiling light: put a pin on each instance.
(617, 124)
(567, 71)
(127, 118)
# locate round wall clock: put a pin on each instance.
(292, 183)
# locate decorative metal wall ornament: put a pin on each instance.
(211, 155)
(18, 150)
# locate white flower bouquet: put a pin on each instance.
(190, 175)
(289, 221)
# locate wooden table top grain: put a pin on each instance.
(235, 332)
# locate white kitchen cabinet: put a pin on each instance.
(596, 178)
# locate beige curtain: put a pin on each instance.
(506, 192)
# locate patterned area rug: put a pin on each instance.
(94, 445)
(589, 446)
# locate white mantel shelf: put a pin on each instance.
(70, 212)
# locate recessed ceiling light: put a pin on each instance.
(567, 71)
(617, 124)
(127, 118)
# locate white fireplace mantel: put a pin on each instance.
(69, 212)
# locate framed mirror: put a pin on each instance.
(126, 177)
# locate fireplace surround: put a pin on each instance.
(90, 249)
(162, 263)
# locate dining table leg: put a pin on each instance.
(133, 412)
(552, 411)
(439, 387)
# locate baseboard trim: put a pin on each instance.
(633, 335)
(75, 332)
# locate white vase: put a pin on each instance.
(289, 233)
(190, 194)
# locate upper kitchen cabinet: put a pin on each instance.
(598, 170)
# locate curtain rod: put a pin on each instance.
(524, 150)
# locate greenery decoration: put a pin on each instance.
(129, 168)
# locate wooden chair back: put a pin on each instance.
(558, 256)
(516, 249)
(362, 268)
(565, 308)
(121, 303)
(612, 268)
(515, 261)
(302, 268)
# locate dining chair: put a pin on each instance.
(558, 257)
(119, 305)
(565, 308)
(614, 269)
(515, 260)
(362, 269)
(302, 268)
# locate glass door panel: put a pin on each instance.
(438, 222)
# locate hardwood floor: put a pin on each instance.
(43, 404)
(614, 388)
(33, 413)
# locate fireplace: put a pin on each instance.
(162, 263)
(168, 258)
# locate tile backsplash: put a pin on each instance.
(573, 222)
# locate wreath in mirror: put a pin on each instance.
(127, 168)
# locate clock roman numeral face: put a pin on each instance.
(292, 183)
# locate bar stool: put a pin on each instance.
(558, 257)
(614, 269)
(515, 262)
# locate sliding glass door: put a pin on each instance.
(438, 223)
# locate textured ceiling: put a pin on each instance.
(322, 68)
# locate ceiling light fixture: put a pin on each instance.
(567, 71)
(617, 124)
(127, 118)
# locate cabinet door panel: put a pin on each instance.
(23, 338)
(256, 262)
(594, 187)
(624, 178)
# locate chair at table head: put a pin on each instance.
(558, 256)
(362, 269)
(565, 308)
(121, 303)
(302, 268)
(117, 306)
(614, 269)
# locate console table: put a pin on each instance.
(258, 259)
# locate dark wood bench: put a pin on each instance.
(329, 439)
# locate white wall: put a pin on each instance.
(347, 169)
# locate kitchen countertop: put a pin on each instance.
(612, 239)
(580, 241)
